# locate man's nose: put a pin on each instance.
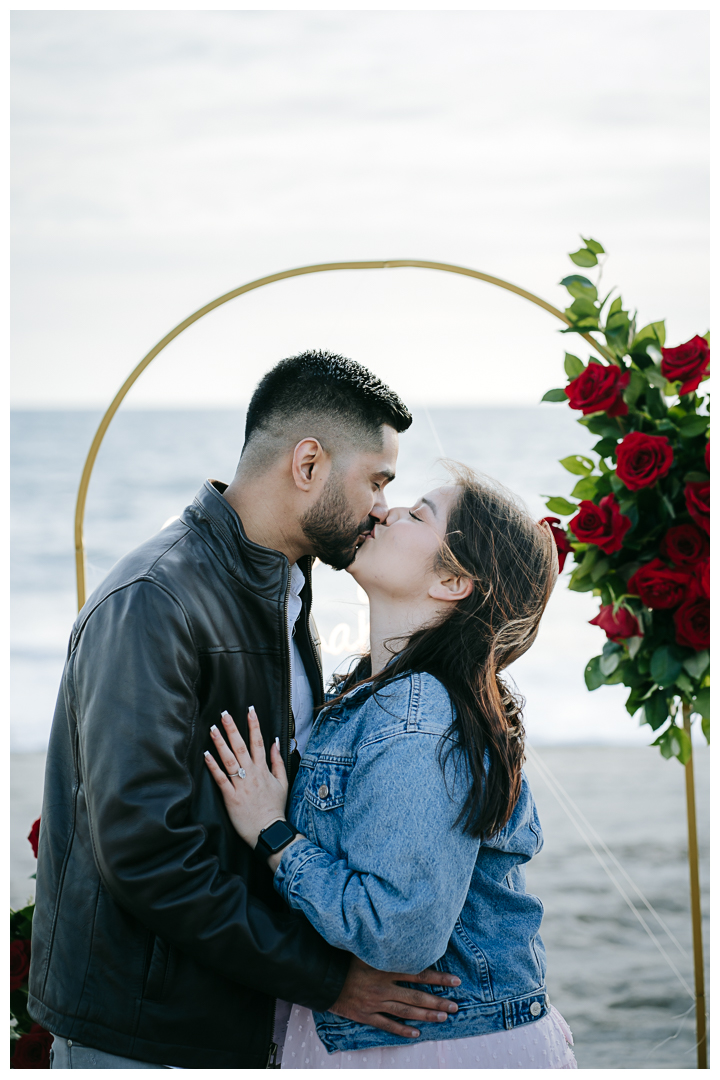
(380, 508)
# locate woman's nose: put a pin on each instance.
(394, 513)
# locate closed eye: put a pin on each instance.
(414, 516)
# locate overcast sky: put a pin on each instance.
(162, 158)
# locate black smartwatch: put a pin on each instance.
(274, 838)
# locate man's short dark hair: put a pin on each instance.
(339, 396)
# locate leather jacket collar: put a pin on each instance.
(262, 570)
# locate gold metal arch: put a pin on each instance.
(297, 272)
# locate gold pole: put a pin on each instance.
(700, 1020)
(297, 272)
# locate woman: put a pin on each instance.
(413, 816)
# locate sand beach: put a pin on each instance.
(604, 973)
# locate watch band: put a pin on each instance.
(274, 838)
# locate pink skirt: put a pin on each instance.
(542, 1044)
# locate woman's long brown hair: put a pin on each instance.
(512, 562)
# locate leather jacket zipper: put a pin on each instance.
(272, 1061)
(291, 718)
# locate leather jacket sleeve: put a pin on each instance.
(133, 679)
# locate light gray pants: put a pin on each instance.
(68, 1054)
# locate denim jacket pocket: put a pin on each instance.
(328, 784)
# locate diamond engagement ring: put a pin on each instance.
(240, 773)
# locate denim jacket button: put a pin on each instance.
(323, 791)
(536, 1008)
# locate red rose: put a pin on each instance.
(32, 1051)
(19, 963)
(599, 389)
(687, 363)
(692, 624)
(617, 625)
(601, 525)
(643, 459)
(658, 586)
(702, 572)
(707, 455)
(697, 500)
(684, 545)
(34, 836)
(561, 540)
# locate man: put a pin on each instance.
(158, 938)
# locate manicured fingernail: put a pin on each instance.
(251, 708)
(214, 730)
(225, 715)
(277, 741)
(208, 754)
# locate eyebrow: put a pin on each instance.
(388, 474)
(428, 502)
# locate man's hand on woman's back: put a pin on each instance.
(369, 994)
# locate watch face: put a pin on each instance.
(277, 834)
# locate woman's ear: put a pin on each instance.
(451, 588)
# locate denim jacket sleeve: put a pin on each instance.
(395, 895)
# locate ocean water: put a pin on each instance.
(152, 463)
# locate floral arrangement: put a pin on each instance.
(639, 529)
(29, 1043)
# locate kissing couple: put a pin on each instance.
(239, 868)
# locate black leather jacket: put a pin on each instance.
(157, 933)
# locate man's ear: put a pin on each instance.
(308, 455)
(451, 588)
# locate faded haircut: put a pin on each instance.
(323, 394)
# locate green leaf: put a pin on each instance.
(600, 570)
(655, 377)
(705, 725)
(584, 584)
(653, 333)
(573, 366)
(583, 257)
(593, 674)
(606, 447)
(636, 386)
(691, 426)
(665, 665)
(695, 665)
(600, 424)
(588, 561)
(655, 710)
(582, 308)
(585, 488)
(593, 245)
(684, 683)
(675, 742)
(609, 664)
(615, 306)
(578, 286)
(633, 646)
(701, 704)
(554, 395)
(695, 477)
(558, 505)
(578, 465)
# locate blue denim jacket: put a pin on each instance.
(385, 874)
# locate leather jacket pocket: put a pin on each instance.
(157, 974)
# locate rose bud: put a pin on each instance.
(601, 525)
(617, 625)
(599, 389)
(687, 363)
(642, 459)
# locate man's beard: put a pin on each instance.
(331, 526)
